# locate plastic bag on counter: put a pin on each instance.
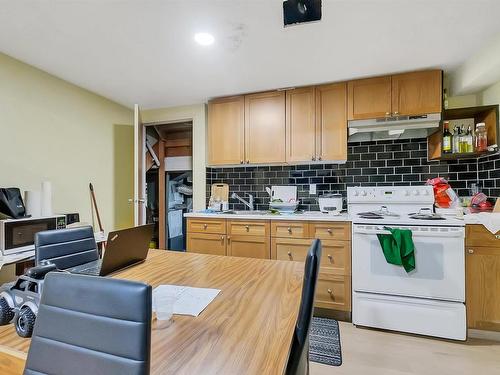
(444, 195)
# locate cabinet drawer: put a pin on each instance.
(335, 255)
(290, 249)
(289, 229)
(206, 226)
(333, 293)
(331, 231)
(205, 243)
(249, 246)
(478, 235)
(248, 227)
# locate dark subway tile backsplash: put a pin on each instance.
(381, 163)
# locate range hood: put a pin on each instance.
(401, 127)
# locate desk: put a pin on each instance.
(247, 329)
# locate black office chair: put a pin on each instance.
(298, 362)
(66, 248)
(91, 325)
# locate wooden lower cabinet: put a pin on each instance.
(206, 243)
(482, 279)
(249, 246)
(333, 292)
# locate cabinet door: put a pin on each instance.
(265, 128)
(331, 122)
(300, 125)
(202, 243)
(249, 246)
(369, 98)
(482, 287)
(226, 125)
(333, 292)
(417, 93)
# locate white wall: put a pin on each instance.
(196, 113)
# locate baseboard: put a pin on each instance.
(484, 335)
(344, 316)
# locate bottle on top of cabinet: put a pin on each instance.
(469, 140)
(456, 139)
(446, 138)
(481, 137)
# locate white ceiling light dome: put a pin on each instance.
(205, 39)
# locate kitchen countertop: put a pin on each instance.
(319, 216)
(306, 216)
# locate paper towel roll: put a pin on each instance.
(33, 203)
(46, 198)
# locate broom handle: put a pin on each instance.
(95, 206)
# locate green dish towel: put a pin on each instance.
(398, 248)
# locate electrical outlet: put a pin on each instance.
(312, 189)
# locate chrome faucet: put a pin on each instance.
(249, 204)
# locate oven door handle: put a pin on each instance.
(446, 234)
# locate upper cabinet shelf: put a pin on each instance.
(407, 94)
(309, 124)
(488, 114)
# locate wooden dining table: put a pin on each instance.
(246, 329)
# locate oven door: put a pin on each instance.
(439, 270)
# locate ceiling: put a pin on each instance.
(143, 51)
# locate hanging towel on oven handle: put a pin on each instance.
(398, 247)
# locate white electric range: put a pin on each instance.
(430, 299)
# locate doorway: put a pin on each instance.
(169, 181)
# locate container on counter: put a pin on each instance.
(481, 137)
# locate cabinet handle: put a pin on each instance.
(330, 292)
(205, 226)
(313, 158)
(319, 158)
(222, 239)
(228, 239)
(330, 257)
(329, 230)
(289, 230)
(289, 255)
(248, 161)
(396, 113)
(470, 251)
(497, 236)
(387, 114)
(241, 161)
(247, 228)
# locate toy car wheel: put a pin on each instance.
(25, 322)
(6, 312)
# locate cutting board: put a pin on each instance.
(220, 192)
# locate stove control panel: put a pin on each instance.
(388, 194)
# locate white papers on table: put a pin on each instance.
(188, 300)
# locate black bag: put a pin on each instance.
(11, 203)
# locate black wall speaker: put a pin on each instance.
(300, 11)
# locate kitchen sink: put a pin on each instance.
(247, 212)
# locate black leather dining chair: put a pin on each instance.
(298, 362)
(91, 325)
(66, 248)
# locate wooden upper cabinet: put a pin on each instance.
(265, 127)
(417, 93)
(226, 124)
(331, 122)
(300, 123)
(369, 98)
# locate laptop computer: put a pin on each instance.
(124, 248)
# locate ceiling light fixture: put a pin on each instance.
(205, 39)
